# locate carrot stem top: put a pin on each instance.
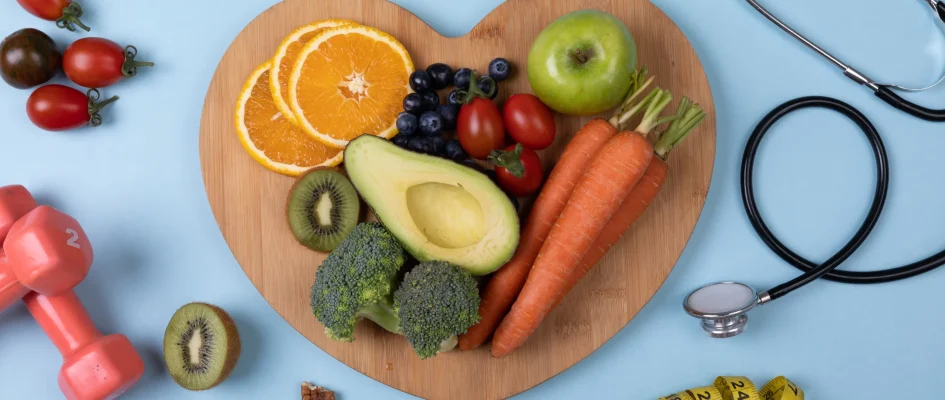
(628, 108)
(652, 105)
(688, 116)
(659, 99)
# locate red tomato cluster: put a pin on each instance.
(92, 62)
(481, 129)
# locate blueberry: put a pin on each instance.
(417, 144)
(401, 141)
(431, 124)
(413, 103)
(430, 100)
(420, 81)
(428, 147)
(455, 97)
(441, 75)
(407, 124)
(438, 145)
(500, 69)
(454, 151)
(461, 78)
(449, 113)
(486, 84)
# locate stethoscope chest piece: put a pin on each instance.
(722, 307)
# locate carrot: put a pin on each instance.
(611, 176)
(506, 283)
(642, 194)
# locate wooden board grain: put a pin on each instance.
(248, 200)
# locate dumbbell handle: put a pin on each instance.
(64, 320)
(11, 291)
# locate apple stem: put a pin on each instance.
(581, 55)
(688, 116)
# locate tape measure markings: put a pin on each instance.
(736, 388)
(741, 388)
(781, 388)
(677, 396)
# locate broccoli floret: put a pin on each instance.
(357, 281)
(436, 302)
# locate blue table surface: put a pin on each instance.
(135, 185)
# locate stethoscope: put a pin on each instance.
(883, 91)
(722, 307)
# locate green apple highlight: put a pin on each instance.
(580, 64)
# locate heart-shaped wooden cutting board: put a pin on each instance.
(248, 200)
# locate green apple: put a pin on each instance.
(581, 63)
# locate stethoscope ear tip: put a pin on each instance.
(722, 307)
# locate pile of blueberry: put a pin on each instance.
(426, 125)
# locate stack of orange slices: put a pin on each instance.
(328, 82)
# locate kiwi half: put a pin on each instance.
(201, 346)
(323, 208)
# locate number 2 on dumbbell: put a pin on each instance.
(74, 237)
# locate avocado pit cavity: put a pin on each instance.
(447, 215)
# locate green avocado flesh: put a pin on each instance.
(438, 209)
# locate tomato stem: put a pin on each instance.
(130, 67)
(473, 91)
(510, 160)
(94, 118)
(70, 15)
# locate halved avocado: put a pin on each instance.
(438, 209)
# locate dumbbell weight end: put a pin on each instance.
(15, 202)
(96, 367)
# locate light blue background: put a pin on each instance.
(135, 185)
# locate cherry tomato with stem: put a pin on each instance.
(479, 125)
(61, 108)
(66, 13)
(518, 170)
(529, 121)
(97, 63)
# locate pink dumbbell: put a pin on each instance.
(44, 250)
(15, 202)
(45, 253)
(96, 367)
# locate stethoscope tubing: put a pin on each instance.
(883, 91)
(826, 270)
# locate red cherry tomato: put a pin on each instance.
(60, 108)
(518, 170)
(529, 121)
(64, 12)
(97, 63)
(479, 128)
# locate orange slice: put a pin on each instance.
(285, 57)
(349, 81)
(270, 138)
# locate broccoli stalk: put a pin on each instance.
(383, 314)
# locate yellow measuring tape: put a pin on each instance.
(741, 388)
